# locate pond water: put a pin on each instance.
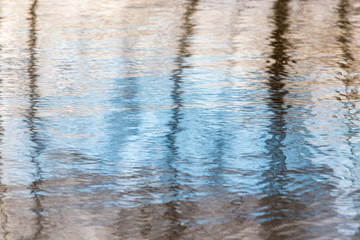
(196, 119)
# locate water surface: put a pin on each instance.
(196, 119)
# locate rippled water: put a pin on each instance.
(197, 119)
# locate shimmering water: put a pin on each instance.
(196, 119)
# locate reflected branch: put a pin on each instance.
(277, 71)
(275, 177)
(286, 210)
(347, 64)
(32, 117)
(345, 37)
(176, 115)
(351, 95)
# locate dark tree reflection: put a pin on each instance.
(32, 118)
(347, 64)
(284, 207)
(350, 96)
(276, 177)
(172, 158)
(345, 37)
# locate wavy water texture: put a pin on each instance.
(186, 119)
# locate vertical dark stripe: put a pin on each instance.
(350, 97)
(32, 117)
(175, 227)
(275, 177)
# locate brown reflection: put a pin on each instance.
(345, 37)
(348, 64)
(276, 176)
(286, 209)
(32, 118)
(175, 226)
(279, 206)
(350, 96)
